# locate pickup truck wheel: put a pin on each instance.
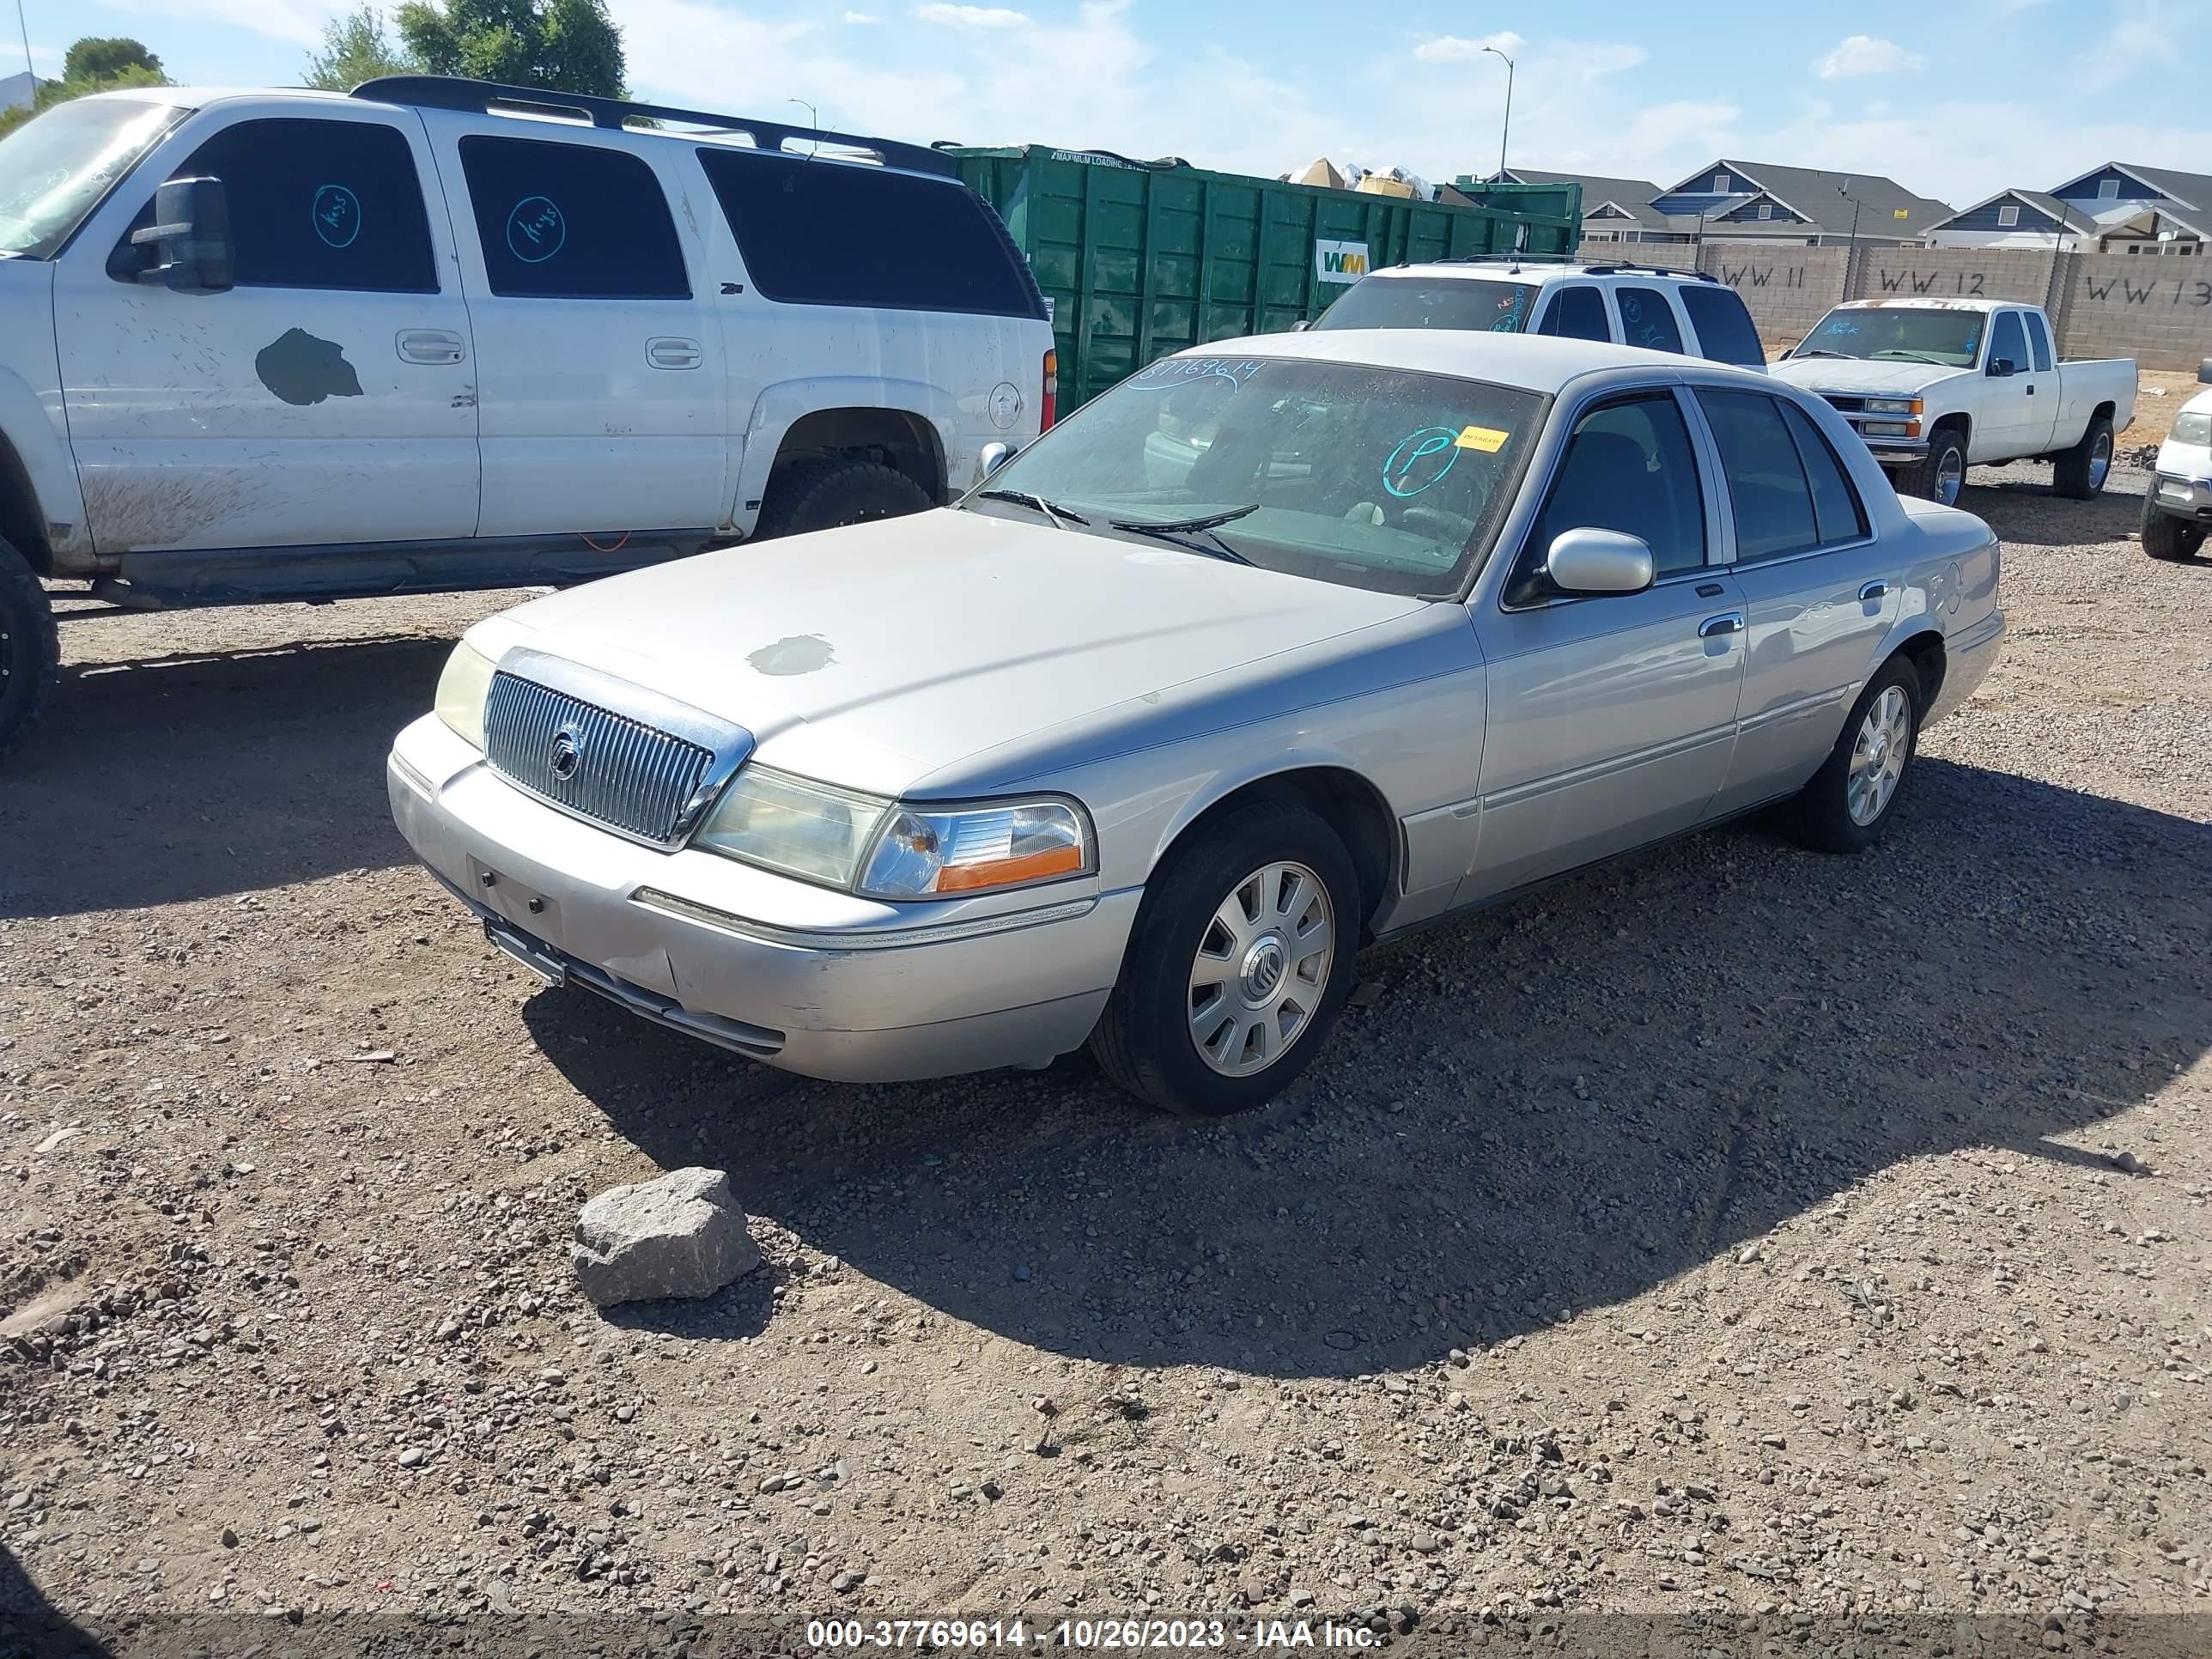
(2080, 471)
(1940, 474)
(1852, 797)
(831, 493)
(2165, 536)
(30, 649)
(1240, 961)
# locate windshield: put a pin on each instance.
(2193, 429)
(1885, 334)
(55, 169)
(1371, 477)
(1495, 307)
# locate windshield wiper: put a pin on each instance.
(1170, 528)
(1060, 517)
(1817, 351)
(1899, 354)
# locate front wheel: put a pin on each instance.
(2165, 536)
(30, 649)
(2080, 472)
(1940, 474)
(1852, 797)
(1239, 963)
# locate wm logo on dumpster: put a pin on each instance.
(1339, 261)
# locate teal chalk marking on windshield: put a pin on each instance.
(1413, 466)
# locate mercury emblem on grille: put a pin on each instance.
(567, 755)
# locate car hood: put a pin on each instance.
(875, 656)
(1856, 374)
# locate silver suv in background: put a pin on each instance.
(1689, 312)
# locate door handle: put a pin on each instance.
(2030, 390)
(430, 345)
(1876, 589)
(1714, 627)
(671, 351)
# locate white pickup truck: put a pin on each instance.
(1936, 385)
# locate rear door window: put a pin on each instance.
(1647, 320)
(1837, 512)
(1768, 490)
(824, 233)
(571, 221)
(1576, 310)
(2039, 340)
(1725, 332)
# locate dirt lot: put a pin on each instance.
(1738, 1232)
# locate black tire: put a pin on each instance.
(1921, 479)
(2165, 536)
(2075, 473)
(1820, 816)
(829, 495)
(30, 649)
(1143, 1041)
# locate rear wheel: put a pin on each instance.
(1851, 798)
(2165, 536)
(1240, 961)
(1940, 474)
(827, 494)
(30, 649)
(2080, 472)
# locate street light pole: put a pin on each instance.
(1505, 130)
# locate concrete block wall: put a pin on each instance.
(1955, 273)
(2157, 311)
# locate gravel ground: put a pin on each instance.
(1736, 1232)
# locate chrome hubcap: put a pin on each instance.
(2100, 461)
(1262, 968)
(1950, 477)
(1878, 756)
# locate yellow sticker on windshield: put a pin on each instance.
(1488, 439)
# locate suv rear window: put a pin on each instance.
(571, 221)
(1647, 319)
(1470, 302)
(844, 233)
(1724, 328)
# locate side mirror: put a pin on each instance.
(994, 456)
(2003, 368)
(1589, 560)
(1300, 326)
(2204, 371)
(191, 237)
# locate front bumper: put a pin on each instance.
(794, 976)
(1897, 452)
(2188, 499)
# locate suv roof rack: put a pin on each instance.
(1619, 266)
(490, 97)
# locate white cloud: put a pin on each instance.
(972, 17)
(1866, 54)
(862, 17)
(1458, 49)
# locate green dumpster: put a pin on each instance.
(1141, 259)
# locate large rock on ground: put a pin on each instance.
(682, 1235)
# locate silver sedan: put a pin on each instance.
(1282, 647)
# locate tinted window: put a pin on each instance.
(844, 233)
(2040, 341)
(1647, 320)
(2007, 341)
(1577, 310)
(1470, 302)
(1629, 467)
(313, 204)
(1836, 510)
(569, 222)
(1724, 327)
(1767, 488)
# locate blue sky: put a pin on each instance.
(1954, 101)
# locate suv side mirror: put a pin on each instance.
(1591, 561)
(191, 237)
(2003, 368)
(992, 457)
(2204, 371)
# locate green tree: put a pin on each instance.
(569, 46)
(355, 49)
(93, 64)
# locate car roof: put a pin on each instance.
(1534, 362)
(1530, 271)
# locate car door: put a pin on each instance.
(2047, 410)
(2010, 408)
(1610, 718)
(1820, 591)
(327, 398)
(600, 393)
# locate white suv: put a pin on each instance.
(1684, 310)
(441, 335)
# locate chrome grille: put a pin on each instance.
(1847, 402)
(619, 771)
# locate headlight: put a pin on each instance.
(462, 689)
(1891, 405)
(926, 852)
(788, 823)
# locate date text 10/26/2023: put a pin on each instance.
(982, 1635)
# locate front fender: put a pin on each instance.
(781, 406)
(31, 426)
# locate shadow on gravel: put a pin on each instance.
(31, 1625)
(2024, 512)
(1554, 1105)
(183, 777)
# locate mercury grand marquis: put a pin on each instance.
(1283, 646)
